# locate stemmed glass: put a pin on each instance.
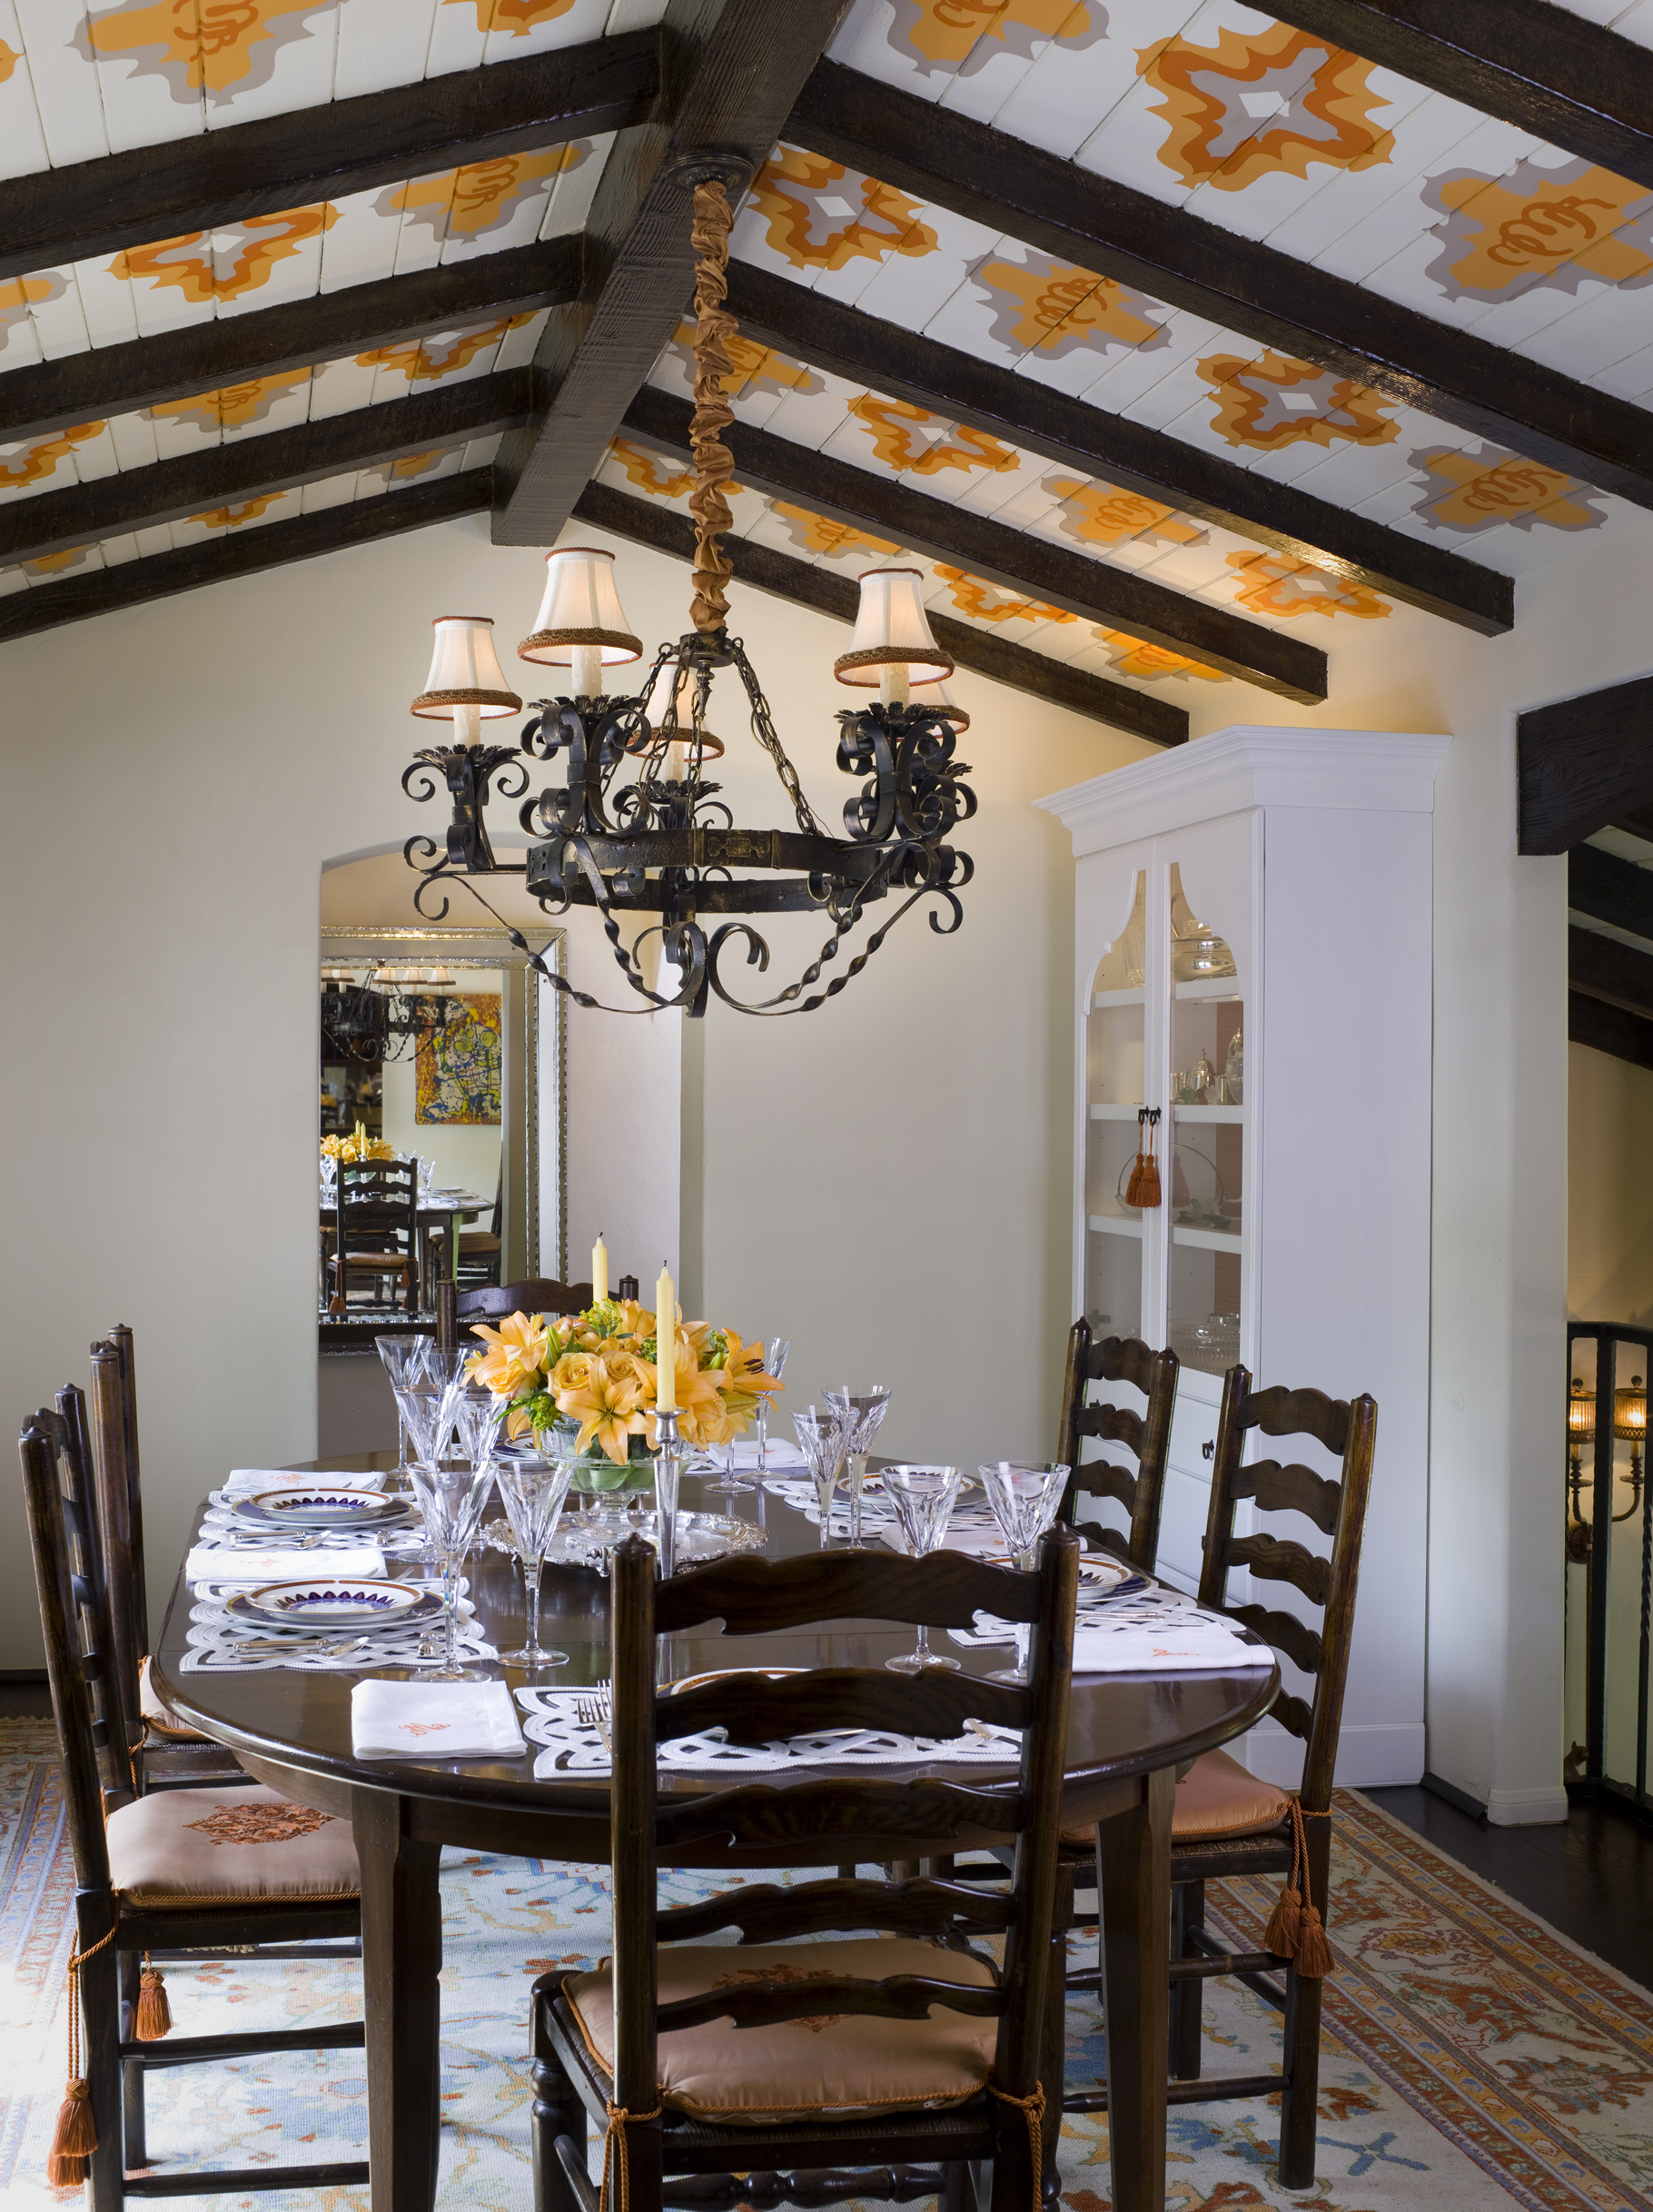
(863, 1414)
(446, 1365)
(478, 1413)
(774, 1364)
(451, 1500)
(1024, 1501)
(922, 1498)
(404, 1360)
(823, 1439)
(533, 1491)
(728, 1484)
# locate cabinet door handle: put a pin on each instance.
(1208, 1450)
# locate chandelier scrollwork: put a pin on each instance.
(637, 827)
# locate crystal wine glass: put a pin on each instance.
(451, 1500)
(533, 1491)
(477, 1414)
(447, 1365)
(404, 1358)
(823, 1439)
(775, 1364)
(922, 1498)
(1024, 1500)
(867, 1408)
(728, 1484)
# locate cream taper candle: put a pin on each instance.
(599, 1270)
(666, 1342)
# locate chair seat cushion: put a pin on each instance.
(1217, 1797)
(835, 2066)
(228, 1847)
(158, 1717)
(387, 1261)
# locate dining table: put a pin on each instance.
(1128, 1734)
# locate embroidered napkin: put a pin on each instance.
(270, 1563)
(1169, 1647)
(434, 1721)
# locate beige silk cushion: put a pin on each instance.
(159, 1717)
(1217, 1797)
(228, 1847)
(833, 2066)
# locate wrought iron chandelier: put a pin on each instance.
(387, 1014)
(637, 827)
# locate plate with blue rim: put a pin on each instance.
(327, 1602)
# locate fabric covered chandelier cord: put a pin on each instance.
(1295, 1929)
(617, 2154)
(75, 2137)
(714, 463)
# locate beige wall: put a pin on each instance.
(880, 1179)
(1609, 1212)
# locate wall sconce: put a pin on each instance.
(1629, 1427)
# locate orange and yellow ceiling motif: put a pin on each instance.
(1271, 402)
(1479, 490)
(482, 196)
(950, 34)
(202, 271)
(1316, 100)
(1563, 227)
(219, 47)
(816, 223)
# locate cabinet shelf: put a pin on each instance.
(1207, 987)
(1110, 1112)
(1137, 998)
(1208, 1240)
(1117, 1225)
(1233, 1115)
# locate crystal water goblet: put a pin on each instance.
(404, 1355)
(1024, 1500)
(447, 1365)
(533, 1491)
(478, 1415)
(728, 1484)
(451, 1499)
(864, 1410)
(774, 1354)
(823, 1439)
(923, 1498)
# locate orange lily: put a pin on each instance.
(517, 1354)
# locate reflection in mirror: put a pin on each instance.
(440, 1121)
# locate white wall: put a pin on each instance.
(883, 1180)
(1609, 1209)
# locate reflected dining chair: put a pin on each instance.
(1229, 1822)
(778, 2070)
(152, 1874)
(456, 1309)
(1146, 1435)
(376, 1231)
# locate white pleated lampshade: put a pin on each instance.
(580, 607)
(892, 630)
(465, 671)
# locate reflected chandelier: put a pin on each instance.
(637, 827)
(394, 1011)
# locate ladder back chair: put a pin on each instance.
(376, 1231)
(1146, 1435)
(854, 2072)
(167, 1752)
(457, 1309)
(177, 1871)
(1229, 1822)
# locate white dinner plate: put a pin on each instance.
(319, 1506)
(326, 1601)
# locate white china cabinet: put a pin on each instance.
(1253, 961)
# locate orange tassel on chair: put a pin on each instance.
(74, 2139)
(1295, 1929)
(1315, 1959)
(1281, 1934)
(154, 2016)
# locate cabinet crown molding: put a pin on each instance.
(1251, 764)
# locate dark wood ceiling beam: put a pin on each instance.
(938, 155)
(231, 349)
(1527, 61)
(1605, 969)
(1075, 435)
(241, 553)
(653, 523)
(1016, 560)
(224, 475)
(58, 216)
(1608, 889)
(1582, 763)
(1604, 1028)
(733, 73)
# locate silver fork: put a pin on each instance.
(593, 1713)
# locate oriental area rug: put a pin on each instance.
(1473, 2058)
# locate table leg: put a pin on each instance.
(401, 1956)
(1134, 1896)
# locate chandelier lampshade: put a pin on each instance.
(466, 682)
(892, 631)
(580, 608)
(940, 701)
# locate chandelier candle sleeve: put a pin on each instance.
(666, 1344)
(599, 1271)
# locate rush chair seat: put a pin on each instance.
(908, 2050)
(1146, 1435)
(1229, 1822)
(178, 1873)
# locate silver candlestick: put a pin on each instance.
(667, 1467)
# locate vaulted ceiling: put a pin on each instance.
(1175, 339)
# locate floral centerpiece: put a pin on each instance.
(600, 1369)
(357, 1147)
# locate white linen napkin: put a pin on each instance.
(782, 1453)
(256, 1563)
(247, 1481)
(1165, 1648)
(434, 1721)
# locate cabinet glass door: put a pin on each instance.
(1204, 1175)
(1113, 1092)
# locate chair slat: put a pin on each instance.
(764, 1912)
(1293, 1489)
(947, 1590)
(754, 1709)
(900, 1997)
(889, 1817)
(1114, 1425)
(1285, 1632)
(1308, 1413)
(1099, 1478)
(493, 1301)
(1147, 1436)
(1278, 1560)
(1293, 1713)
(1123, 1359)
